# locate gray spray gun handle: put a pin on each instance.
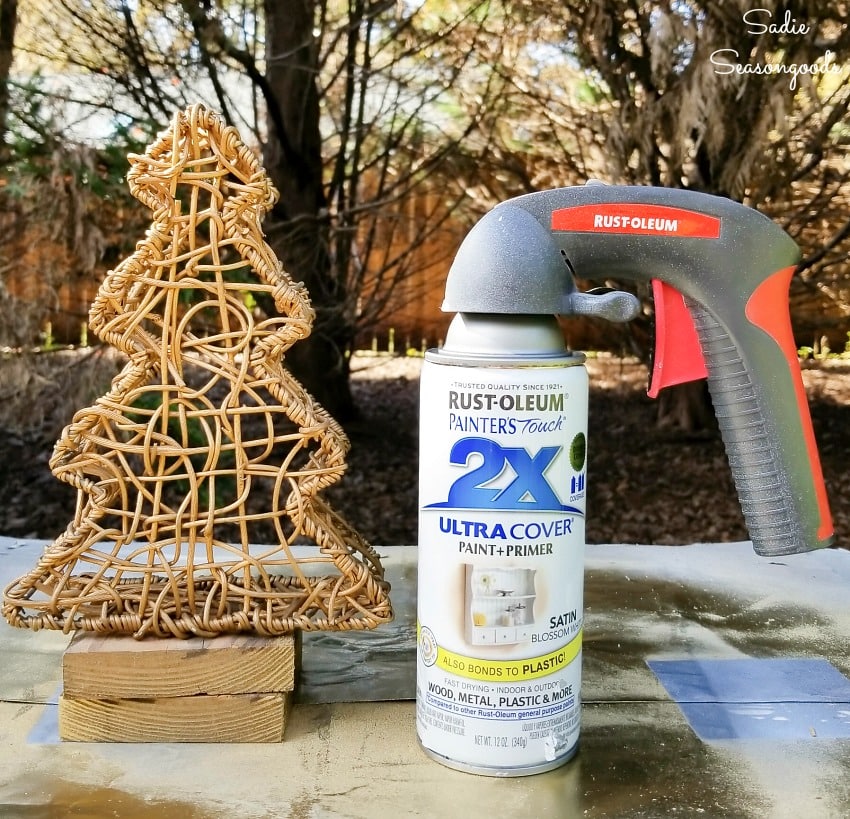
(729, 267)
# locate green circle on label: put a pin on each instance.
(578, 451)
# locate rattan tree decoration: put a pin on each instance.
(204, 439)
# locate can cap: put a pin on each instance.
(488, 334)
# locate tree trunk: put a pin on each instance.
(298, 226)
(8, 23)
(688, 408)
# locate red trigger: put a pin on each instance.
(678, 356)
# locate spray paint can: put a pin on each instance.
(501, 546)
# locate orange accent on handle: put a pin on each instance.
(636, 218)
(678, 355)
(767, 309)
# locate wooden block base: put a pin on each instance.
(227, 689)
(202, 718)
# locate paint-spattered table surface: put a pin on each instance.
(716, 684)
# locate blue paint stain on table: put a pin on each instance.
(750, 698)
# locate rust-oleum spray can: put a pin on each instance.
(502, 491)
(503, 453)
(503, 456)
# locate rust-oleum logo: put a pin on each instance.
(636, 220)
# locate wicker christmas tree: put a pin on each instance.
(204, 439)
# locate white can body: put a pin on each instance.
(501, 561)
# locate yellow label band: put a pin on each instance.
(507, 670)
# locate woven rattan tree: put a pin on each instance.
(204, 439)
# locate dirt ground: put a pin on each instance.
(646, 484)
